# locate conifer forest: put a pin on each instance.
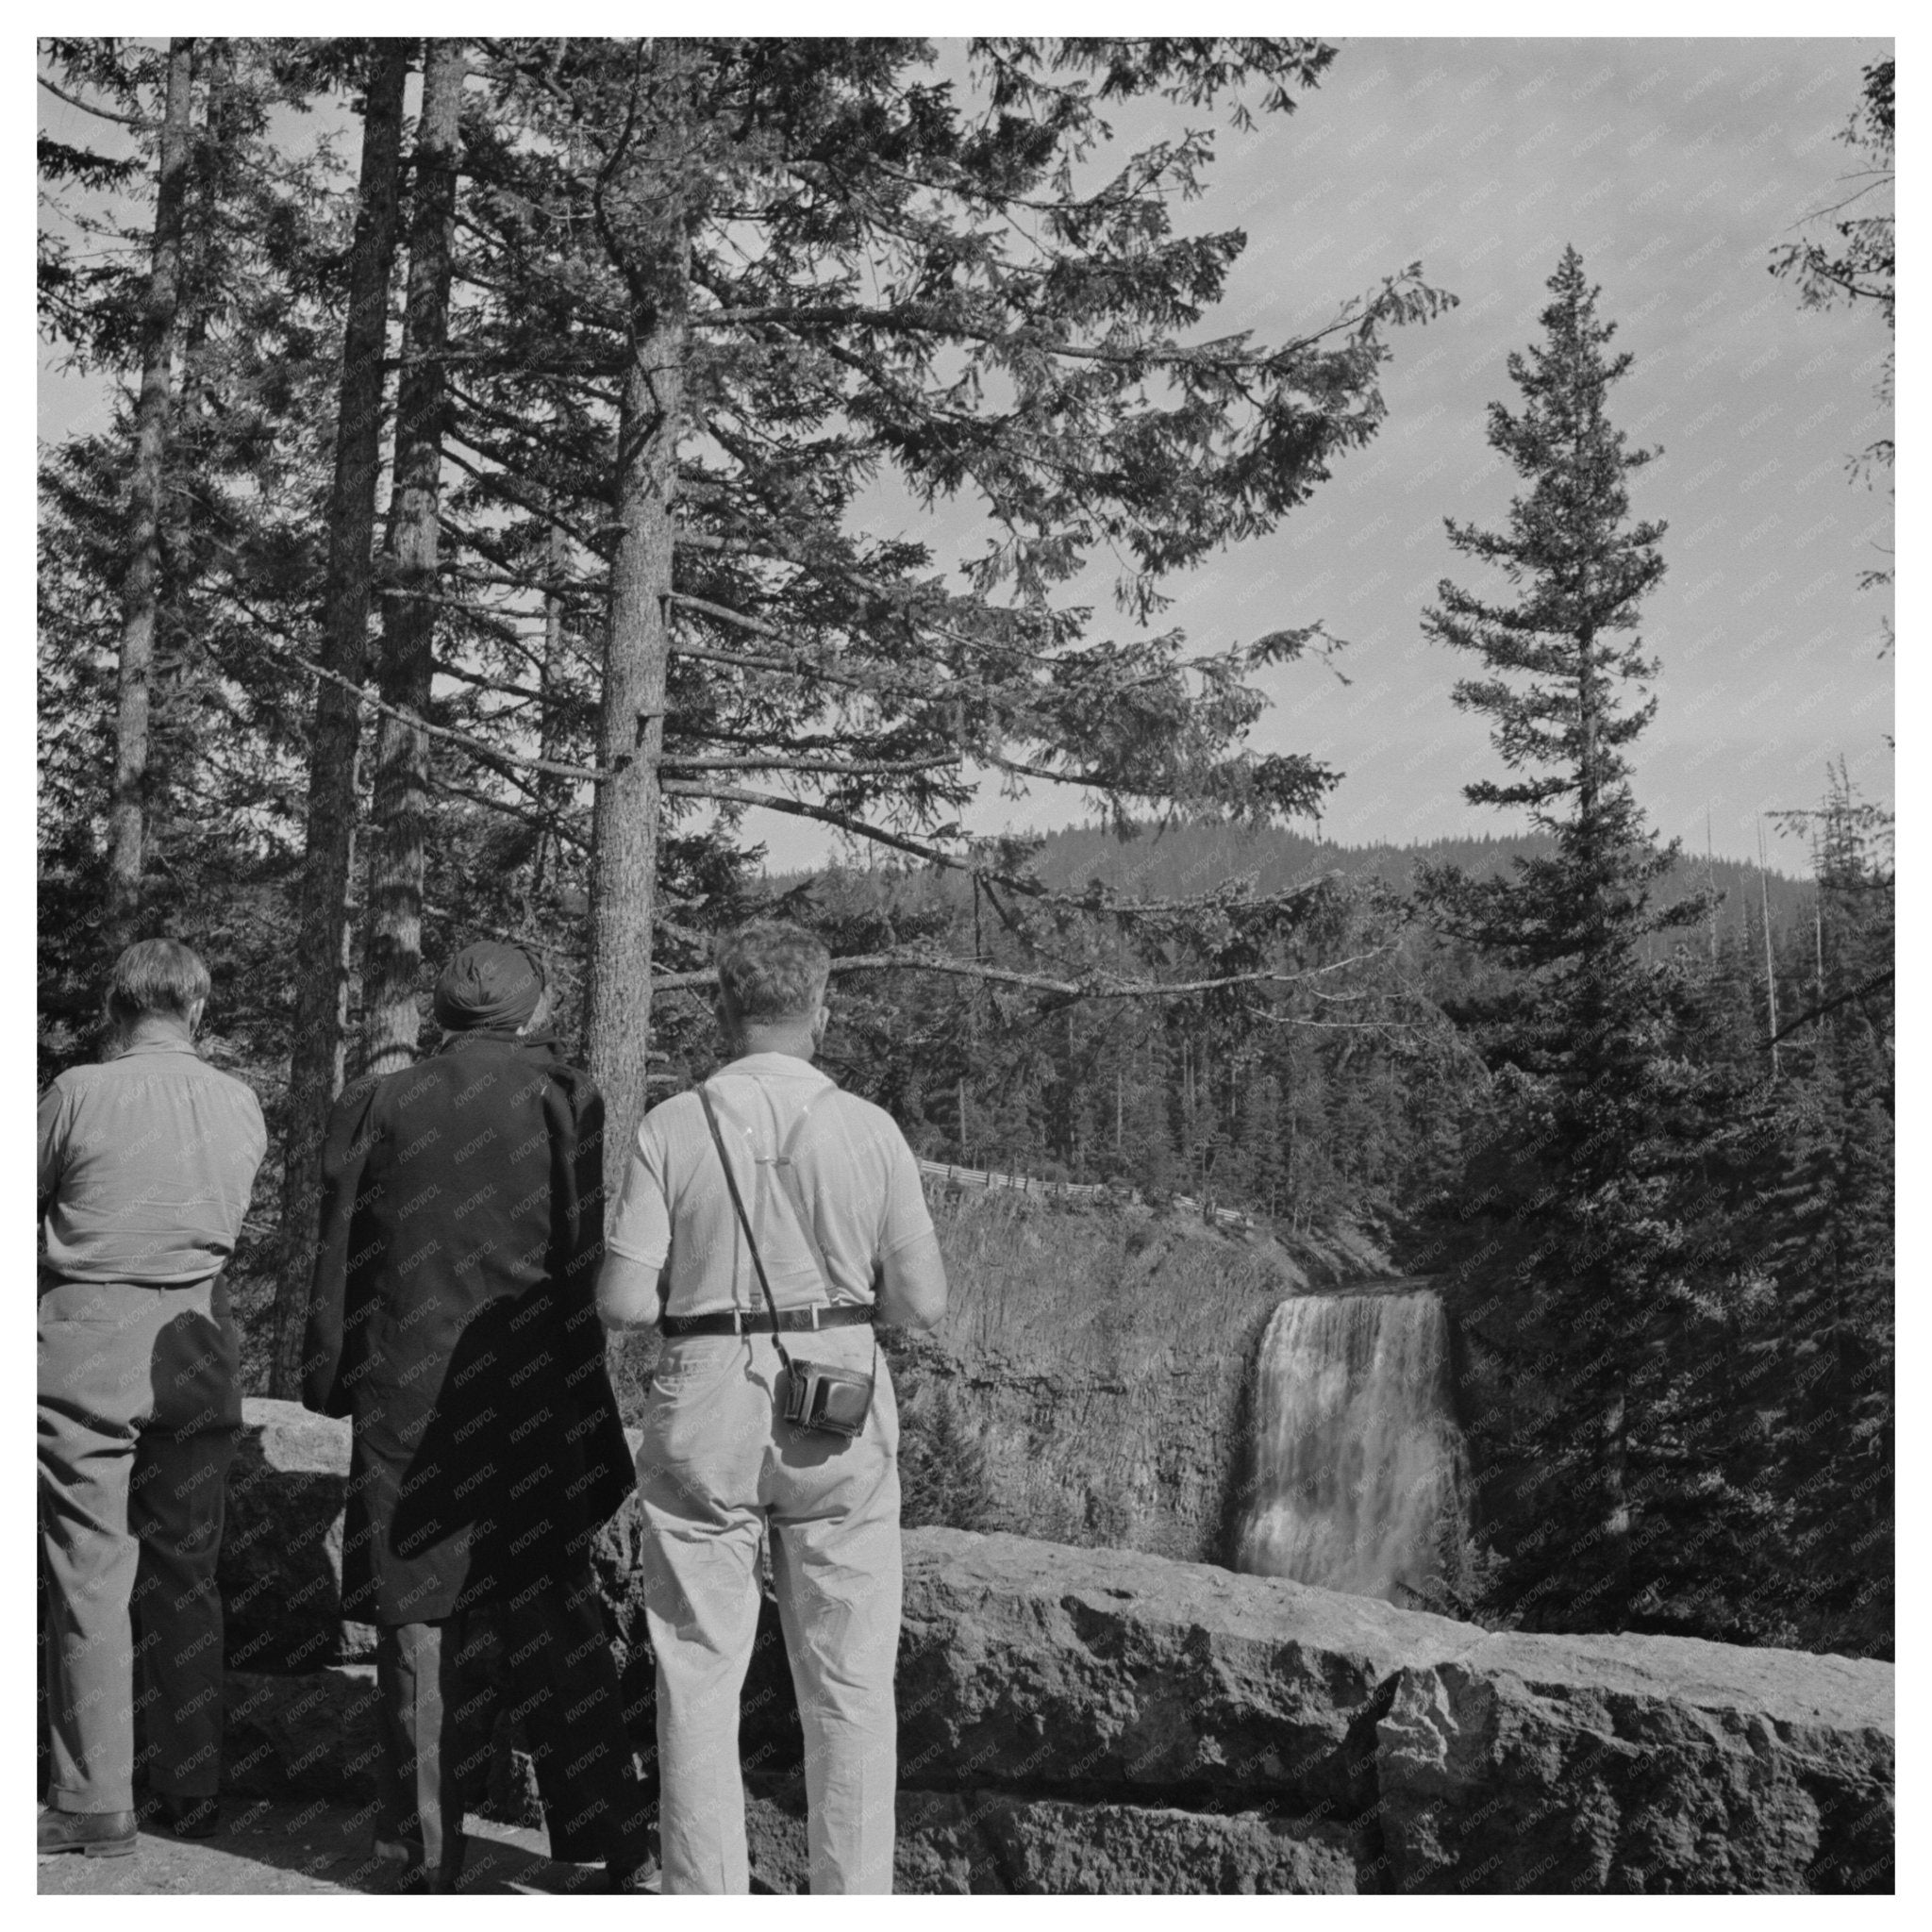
(521, 473)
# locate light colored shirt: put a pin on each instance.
(857, 1177)
(146, 1163)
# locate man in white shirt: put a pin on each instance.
(831, 1194)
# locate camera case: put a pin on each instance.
(818, 1396)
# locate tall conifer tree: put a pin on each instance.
(1571, 1204)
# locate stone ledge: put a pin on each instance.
(1484, 1761)
(1074, 1717)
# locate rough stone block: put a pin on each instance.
(281, 1565)
(1624, 1764)
(1106, 1671)
(994, 1842)
(1049, 1846)
(314, 1734)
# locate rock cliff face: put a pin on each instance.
(1095, 1370)
(1106, 1720)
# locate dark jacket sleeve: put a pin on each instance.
(574, 1115)
(605, 1470)
(343, 1279)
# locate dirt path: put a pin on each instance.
(287, 1847)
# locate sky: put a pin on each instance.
(1676, 167)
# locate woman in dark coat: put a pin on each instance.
(453, 1319)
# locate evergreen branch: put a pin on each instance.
(521, 691)
(490, 754)
(503, 362)
(872, 587)
(496, 480)
(799, 666)
(135, 121)
(550, 587)
(1093, 780)
(1830, 1006)
(912, 319)
(538, 822)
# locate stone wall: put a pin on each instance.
(1089, 1720)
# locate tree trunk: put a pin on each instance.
(392, 951)
(1770, 963)
(548, 862)
(1616, 1511)
(637, 651)
(141, 580)
(322, 950)
(178, 678)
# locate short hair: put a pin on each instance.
(772, 969)
(155, 976)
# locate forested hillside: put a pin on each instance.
(1177, 859)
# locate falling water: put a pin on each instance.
(1356, 1452)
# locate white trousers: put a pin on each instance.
(716, 1469)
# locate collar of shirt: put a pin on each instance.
(157, 1042)
(781, 1066)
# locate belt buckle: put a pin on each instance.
(814, 1317)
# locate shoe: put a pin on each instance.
(188, 1816)
(94, 1833)
(633, 1878)
(400, 1867)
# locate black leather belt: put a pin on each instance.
(744, 1322)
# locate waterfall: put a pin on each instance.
(1356, 1454)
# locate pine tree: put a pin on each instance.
(1828, 1207)
(233, 525)
(406, 668)
(318, 1055)
(142, 570)
(1564, 1248)
(747, 278)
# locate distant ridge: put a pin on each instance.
(1188, 858)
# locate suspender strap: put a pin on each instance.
(787, 1180)
(786, 1172)
(757, 1260)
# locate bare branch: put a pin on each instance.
(804, 808)
(832, 767)
(1098, 986)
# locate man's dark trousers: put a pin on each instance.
(139, 1413)
(563, 1689)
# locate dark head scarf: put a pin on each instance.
(487, 985)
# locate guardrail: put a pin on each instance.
(1078, 1190)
